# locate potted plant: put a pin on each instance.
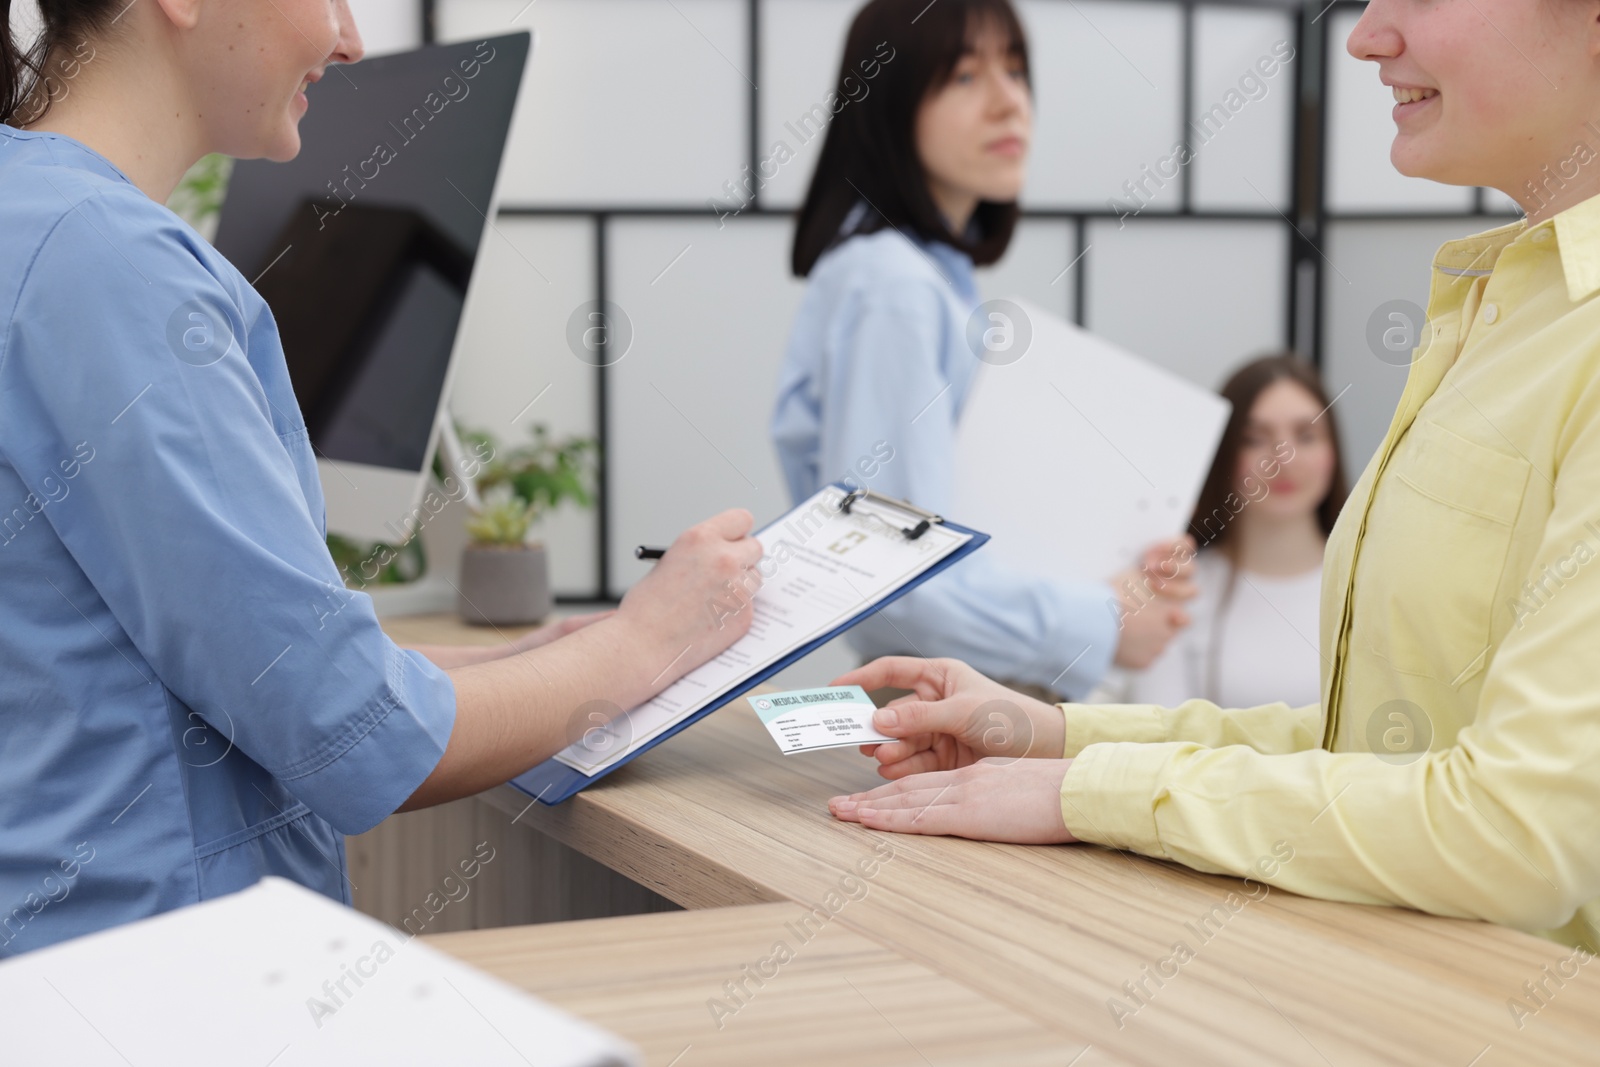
(505, 577)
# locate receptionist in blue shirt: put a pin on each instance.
(180, 714)
(917, 181)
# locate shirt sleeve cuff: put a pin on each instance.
(1110, 794)
(404, 738)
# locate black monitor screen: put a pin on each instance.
(364, 244)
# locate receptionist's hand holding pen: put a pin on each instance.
(675, 618)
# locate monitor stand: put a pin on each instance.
(444, 539)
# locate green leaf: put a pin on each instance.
(541, 473)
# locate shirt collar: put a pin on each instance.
(1578, 234)
(952, 264)
(1475, 255)
(64, 149)
(1577, 231)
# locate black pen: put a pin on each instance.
(646, 552)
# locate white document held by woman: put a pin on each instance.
(1077, 453)
(823, 567)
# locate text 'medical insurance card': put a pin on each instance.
(807, 720)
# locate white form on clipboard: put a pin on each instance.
(824, 566)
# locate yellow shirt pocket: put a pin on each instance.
(1435, 552)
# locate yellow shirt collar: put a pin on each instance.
(1577, 232)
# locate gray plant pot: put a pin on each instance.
(503, 585)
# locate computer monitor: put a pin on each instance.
(365, 247)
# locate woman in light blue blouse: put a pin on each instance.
(917, 181)
(179, 713)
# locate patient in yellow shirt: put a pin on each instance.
(1452, 763)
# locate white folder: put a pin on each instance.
(1078, 454)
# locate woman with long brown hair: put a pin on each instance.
(1275, 488)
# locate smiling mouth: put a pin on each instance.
(1413, 96)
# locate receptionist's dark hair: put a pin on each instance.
(897, 51)
(32, 78)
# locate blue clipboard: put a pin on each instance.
(552, 781)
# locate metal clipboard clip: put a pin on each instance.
(927, 518)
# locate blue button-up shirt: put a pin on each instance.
(189, 697)
(878, 365)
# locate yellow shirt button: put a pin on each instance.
(1490, 313)
(1542, 234)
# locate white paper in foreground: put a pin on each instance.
(237, 980)
(1079, 455)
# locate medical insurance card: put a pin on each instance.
(806, 720)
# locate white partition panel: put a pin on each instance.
(517, 370)
(802, 42)
(690, 401)
(1360, 131)
(388, 25)
(1241, 121)
(1038, 265)
(1198, 297)
(1381, 262)
(1109, 100)
(627, 101)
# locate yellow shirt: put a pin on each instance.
(1457, 769)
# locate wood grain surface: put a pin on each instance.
(1141, 961)
(836, 999)
(716, 816)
